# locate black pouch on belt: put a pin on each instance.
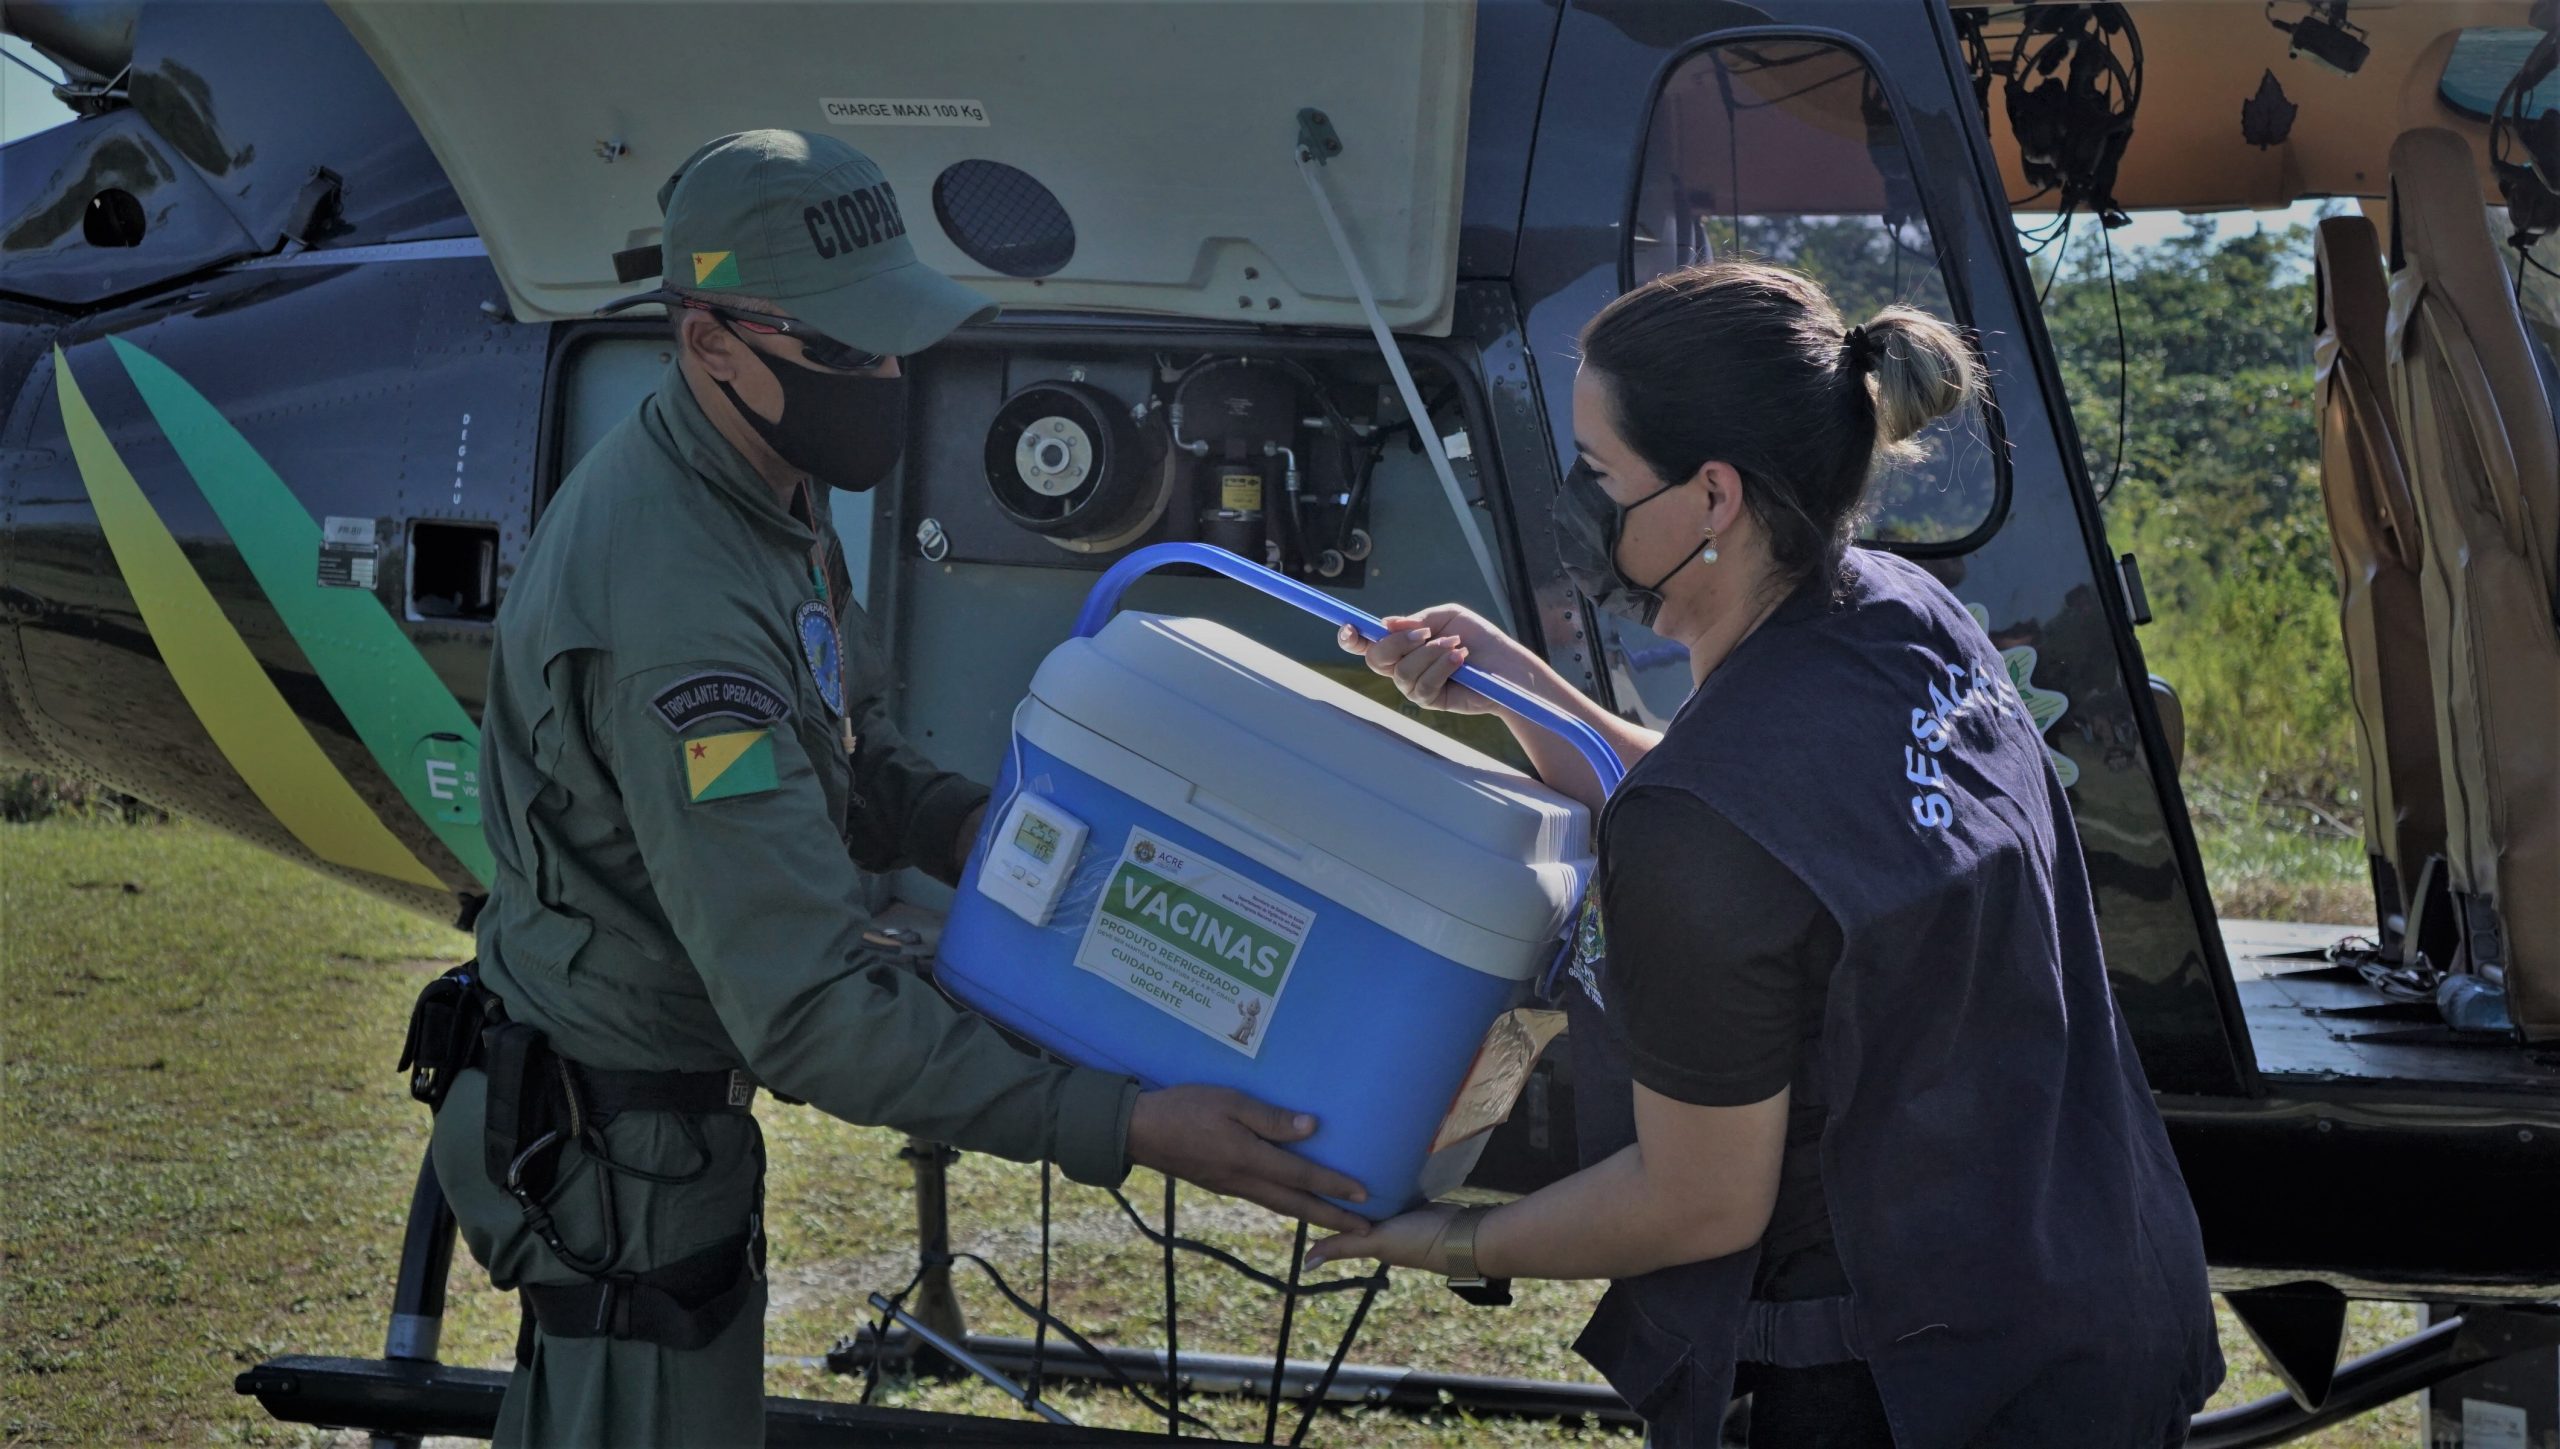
(539, 1103)
(535, 1111)
(532, 1112)
(444, 1032)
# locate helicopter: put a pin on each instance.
(298, 333)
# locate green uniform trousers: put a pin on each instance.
(605, 1393)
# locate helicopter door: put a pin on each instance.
(1677, 133)
(1787, 150)
(1017, 168)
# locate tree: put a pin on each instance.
(2219, 494)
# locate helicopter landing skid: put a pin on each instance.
(407, 1395)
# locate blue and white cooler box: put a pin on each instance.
(1206, 862)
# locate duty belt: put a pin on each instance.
(448, 1035)
(539, 1104)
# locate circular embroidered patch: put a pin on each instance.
(1590, 949)
(824, 651)
(1590, 938)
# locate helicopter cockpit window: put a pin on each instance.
(1787, 151)
(2483, 59)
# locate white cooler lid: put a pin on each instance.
(1448, 825)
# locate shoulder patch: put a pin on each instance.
(719, 695)
(717, 767)
(824, 650)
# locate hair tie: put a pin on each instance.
(1858, 348)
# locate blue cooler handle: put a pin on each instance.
(1105, 598)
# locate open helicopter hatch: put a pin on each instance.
(1021, 166)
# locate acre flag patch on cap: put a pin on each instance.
(809, 224)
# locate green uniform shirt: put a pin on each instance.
(679, 828)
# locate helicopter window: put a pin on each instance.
(1004, 218)
(38, 107)
(605, 375)
(1787, 151)
(2482, 61)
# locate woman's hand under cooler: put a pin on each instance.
(1407, 1240)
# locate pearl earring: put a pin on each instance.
(1708, 554)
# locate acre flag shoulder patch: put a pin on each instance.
(718, 767)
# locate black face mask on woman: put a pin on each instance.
(845, 430)
(1588, 525)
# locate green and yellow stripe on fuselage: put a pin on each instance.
(415, 730)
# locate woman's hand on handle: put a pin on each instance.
(1420, 652)
(1423, 652)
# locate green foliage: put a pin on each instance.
(2219, 496)
(2277, 862)
(30, 797)
(1866, 265)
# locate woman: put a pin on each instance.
(1856, 1110)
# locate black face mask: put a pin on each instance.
(1588, 524)
(843, 429)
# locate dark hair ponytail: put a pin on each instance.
(1750, 365)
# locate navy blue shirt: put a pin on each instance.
(1723, 958)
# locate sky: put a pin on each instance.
(26, 103)
(2153, 227)
(2150, 228)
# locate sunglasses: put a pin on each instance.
(817, 346)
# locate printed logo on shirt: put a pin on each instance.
(1590, 948)
(725, 766)
(2044, 706)
(719, 695)
(1956, 693)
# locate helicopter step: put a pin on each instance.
(403, 1401)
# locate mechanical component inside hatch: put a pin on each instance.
(1239, 418)
(1066, 460)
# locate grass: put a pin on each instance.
(2268, 863)
(205, 1155)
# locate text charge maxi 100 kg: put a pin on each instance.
(868, 111)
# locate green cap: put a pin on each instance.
(809, 224)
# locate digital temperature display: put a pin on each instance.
(1033, 859)
(1037, 838)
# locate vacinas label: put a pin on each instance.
(1195, 941)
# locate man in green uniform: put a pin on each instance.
(686, 774)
